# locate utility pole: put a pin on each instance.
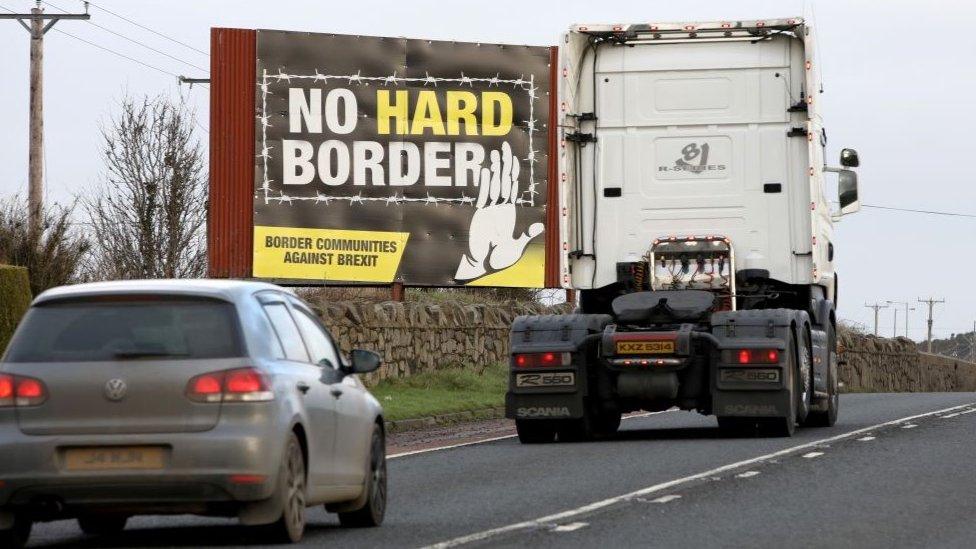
(931, 303)
(972, 345)
(877, 307)
(894, 329)
(40, 23)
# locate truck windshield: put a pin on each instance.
(127, 329)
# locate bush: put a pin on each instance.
(15, 298)
(54, 257)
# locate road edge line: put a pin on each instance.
(597, 505)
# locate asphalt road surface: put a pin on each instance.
(896, 470)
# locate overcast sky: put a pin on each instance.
(898, 77)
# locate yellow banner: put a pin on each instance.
(327, 254)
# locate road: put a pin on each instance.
(897, 470)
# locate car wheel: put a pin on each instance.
(17, 535)
(534, 431)
(372, 512)
(102, 525)
(290, 527)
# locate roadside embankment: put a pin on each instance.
(876, 365)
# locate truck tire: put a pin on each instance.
(535, 431)
(804, 378)
(595, 423)
(786, 426)
(829, 417)
(736, 426)
(102, 525)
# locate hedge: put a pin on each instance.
(15, 298)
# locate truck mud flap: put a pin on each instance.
(751, 403)
(543, 406)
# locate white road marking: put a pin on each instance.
(866, 439)
(747, 474)
(967, 412)
(602, 504)
(811, 455)
(571, 527)
(909, 426)
(666, 499)
(492, 439)
(947, 416)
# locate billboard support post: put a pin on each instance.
(397, 292)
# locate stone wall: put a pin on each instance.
(417, 337)
(875, 364)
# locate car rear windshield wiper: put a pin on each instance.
(147, 354)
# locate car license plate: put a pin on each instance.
(114, 457)
(645, 347)
(554, 379)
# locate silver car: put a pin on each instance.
(209, 397)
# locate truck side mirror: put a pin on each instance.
(849, 159)
(847, 191)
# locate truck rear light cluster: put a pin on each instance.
(541, 360)
(237, 385)
(751, 356)
(21, 391)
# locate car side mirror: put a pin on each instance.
(364, 362)
(849, 159)
(847, 192)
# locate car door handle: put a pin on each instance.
(303, 387)
(336, 392)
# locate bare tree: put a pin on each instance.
(148, 213)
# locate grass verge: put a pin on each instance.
(442, 392)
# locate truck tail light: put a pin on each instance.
(237, 385)
(21, 391)
(541, 360)
(752, 356)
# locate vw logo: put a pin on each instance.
(115, 390)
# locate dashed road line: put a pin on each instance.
(811, 455)
(866, 439)
(541, 522)
(747, 474)
(909, 426)
(571, 527)
(666, 499)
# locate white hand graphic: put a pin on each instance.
(492, 243)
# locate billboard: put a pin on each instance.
(381, 160)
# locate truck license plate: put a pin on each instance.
(645, 347)
(555, 379)
(115, 457)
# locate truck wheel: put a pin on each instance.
(535, 431)
(786, 426)
(736, 426)
(608, 423)
(804, 379)
(829, 417)
(17, 535)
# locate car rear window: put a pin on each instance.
(127, 328)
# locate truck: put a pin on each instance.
(696, 225)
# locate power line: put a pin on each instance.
(122, 55)
(133, 40)
(141, 26)
(931, 212)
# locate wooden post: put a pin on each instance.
(571, 297)
(35, 167)
(397, 292)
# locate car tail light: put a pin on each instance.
(21, 391)
(752, 356)
(238, 385)
(541, 360)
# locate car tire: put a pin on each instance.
(102, 525)
(535, 431)
(17, 535)
(829, 417)
(290, 527)
(374, 509)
